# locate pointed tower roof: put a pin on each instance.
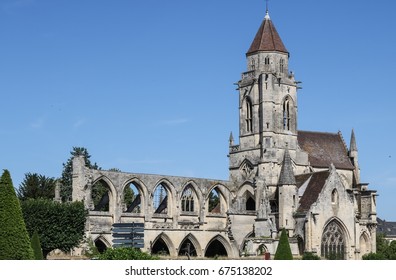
(286, 176)
(353, 146)
(267, 38)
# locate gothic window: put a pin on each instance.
(100, 196)
(286, 114)
(282, 65)
(214, 205)
(187, 200)
(249, 120)
(252, 65)
(160, 200)
(250, 204)
(274, 206)
(267, 60)
(333, 242)
(132, 198)
(334, 197)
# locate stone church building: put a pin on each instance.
(279, 178)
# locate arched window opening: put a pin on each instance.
(301, 245)
(364, 245)
(188, 249)
(188, 200)
(160, 248)
(216, 249)
(286, 114)
(282, 65)
(334, 197)
(267, 60)
(214, 205)
(333, 242)
(250, 204)
(132, 198)
(100, 245)
(100, 196)
(274, 206)
(252, 64)
(249, 116)
(160, 200)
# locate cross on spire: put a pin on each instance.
(266, 10)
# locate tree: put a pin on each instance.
(283, 252)
(36, 186)
(59, 225)
(36, 246)
(67, 173)
(14, 239)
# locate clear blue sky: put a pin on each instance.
(148, 86)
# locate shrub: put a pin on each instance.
(310, 256)
(59, 225)
(14, 239)
(374, 256)
(38, 253)
(283, 252)
(124, 253)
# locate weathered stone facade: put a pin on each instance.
(305, 182)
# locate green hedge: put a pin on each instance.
(125, 254)
(59, 225)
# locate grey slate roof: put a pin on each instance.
(313, 189)
(387, 228)
(286, 176)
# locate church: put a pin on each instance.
(305, 182)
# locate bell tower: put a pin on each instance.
(267, 109)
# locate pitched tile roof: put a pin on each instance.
(267, 38)
(325, 149)
(313, 189)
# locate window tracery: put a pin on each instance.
(333, 242)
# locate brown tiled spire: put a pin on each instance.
(267, 38)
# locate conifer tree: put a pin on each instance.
(14, 239)
(283, 252)
(36, 246)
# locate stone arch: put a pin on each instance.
(162, 198)
(242, 246)
(248, 108)
(194, 249)
(163, 245)
(102, 195)
(247, 197)
(288, 114)
(138, 201)
(218, 246)
(101, 243)
(334, 241)
(217, 200)
(364, 244)
(300, 244)
(190, 198)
